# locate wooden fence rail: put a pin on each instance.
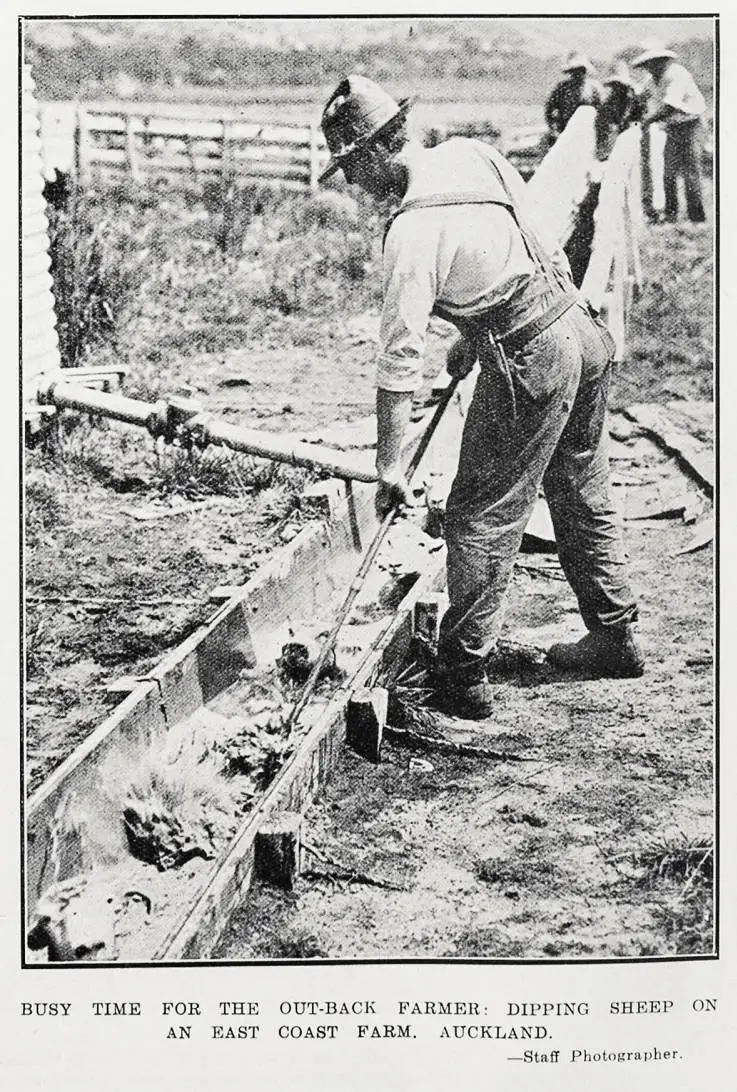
(151, 146)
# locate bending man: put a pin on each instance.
(459, 246)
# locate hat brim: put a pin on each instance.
(663, 54)
(337, 161)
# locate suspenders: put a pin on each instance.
(535, 249)
(556, 280)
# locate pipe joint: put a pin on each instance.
(170, 420)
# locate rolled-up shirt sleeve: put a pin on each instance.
(410, 291)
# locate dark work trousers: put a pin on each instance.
(682, 157)
(646, 173)
(542, 423)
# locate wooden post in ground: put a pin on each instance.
(365, 719)
(427, 615)
(81, 148)
(131, 158)
(314, 159)
(277, 850)
(227, 174)
(633, 219)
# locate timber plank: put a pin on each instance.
(696, 456)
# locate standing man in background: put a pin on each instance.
(460, 246)
(674, 101)
(579, 89)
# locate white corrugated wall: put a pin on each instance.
(40, 341)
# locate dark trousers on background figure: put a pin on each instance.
(682, 158)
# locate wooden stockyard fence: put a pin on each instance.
(150, 146)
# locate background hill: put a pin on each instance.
(507, 59)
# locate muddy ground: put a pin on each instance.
(125, 541)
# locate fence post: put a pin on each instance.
(314, 160)
(226, 158)
(81, 149)
(130, 148)
(227, 165)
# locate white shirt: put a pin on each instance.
(466, 258)
(676, 88)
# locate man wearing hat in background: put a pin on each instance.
(622, 106)
(674, 101)
(460, 246)
(579, 89)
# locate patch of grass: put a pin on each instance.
(686, 860)
(195, 474)
(678, 874)
(484, 941)
(44, 505)
(217, 471)
(97, 264)
(670, 341)
(151, 277)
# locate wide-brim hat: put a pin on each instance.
(356, 114)
(578, 60)
(652, 50)
(620, 74)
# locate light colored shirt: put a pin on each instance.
(676, 88)
(466, 258)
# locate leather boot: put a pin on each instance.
(467, 694)
(604, 653)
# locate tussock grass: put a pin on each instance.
(196, 474)
(98, 267)
(680, 858)
(679, 871)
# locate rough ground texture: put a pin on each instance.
(536, 858)
(546, 855)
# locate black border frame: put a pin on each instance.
(714, 17)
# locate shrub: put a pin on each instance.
(96, 264)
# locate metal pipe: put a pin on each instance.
(78, 396)
(185, 419)
(284, 449)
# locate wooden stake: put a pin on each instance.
(277, 850)
(427, 615)
(314, 162)
(365, 720)
(321, 498)
(81, 149)
(130, 149)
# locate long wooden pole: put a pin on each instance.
(367, 561)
